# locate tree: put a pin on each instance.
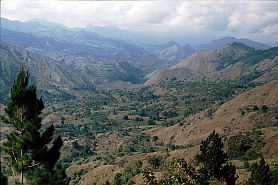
(118, 179)
(214, 159)
(229, 174)
(212, 155)
(260, 174)
(155, 161)
(30, 150)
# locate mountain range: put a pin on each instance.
(60, 32)
(95, 58)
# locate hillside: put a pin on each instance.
(52, 79)
(118, 144)
(227, 119)
(110, 128)
(235, 62)
(170, 74)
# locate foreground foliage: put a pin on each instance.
(29, 149)
(211, 165)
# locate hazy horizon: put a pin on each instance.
(186, 20)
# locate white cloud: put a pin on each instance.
(234, 20)
(271, 29)
(184, 16)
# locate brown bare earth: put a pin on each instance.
(100, 174)
(271, 140)
(227, 120)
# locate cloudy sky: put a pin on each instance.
(257, 20)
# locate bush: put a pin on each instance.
(125, 117)
(255, 108)
(264, 108)
(155, 161)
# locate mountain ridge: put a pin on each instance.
(233, 62)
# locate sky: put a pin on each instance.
(256, 20)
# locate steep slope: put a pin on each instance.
(234, 61)
(228, 119)
(213, 60)
(50, 77)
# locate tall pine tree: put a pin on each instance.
(29, 150)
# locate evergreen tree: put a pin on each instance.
(28, 148)
(260, 174)
(213, 160)
(212, 155)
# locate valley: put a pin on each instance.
(125, 109)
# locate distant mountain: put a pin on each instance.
(60, 77)
(55, 40)
(170, 51)
(219, 43)
(53, 80)
(77, 47)
(235, 61)
(114, 32)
